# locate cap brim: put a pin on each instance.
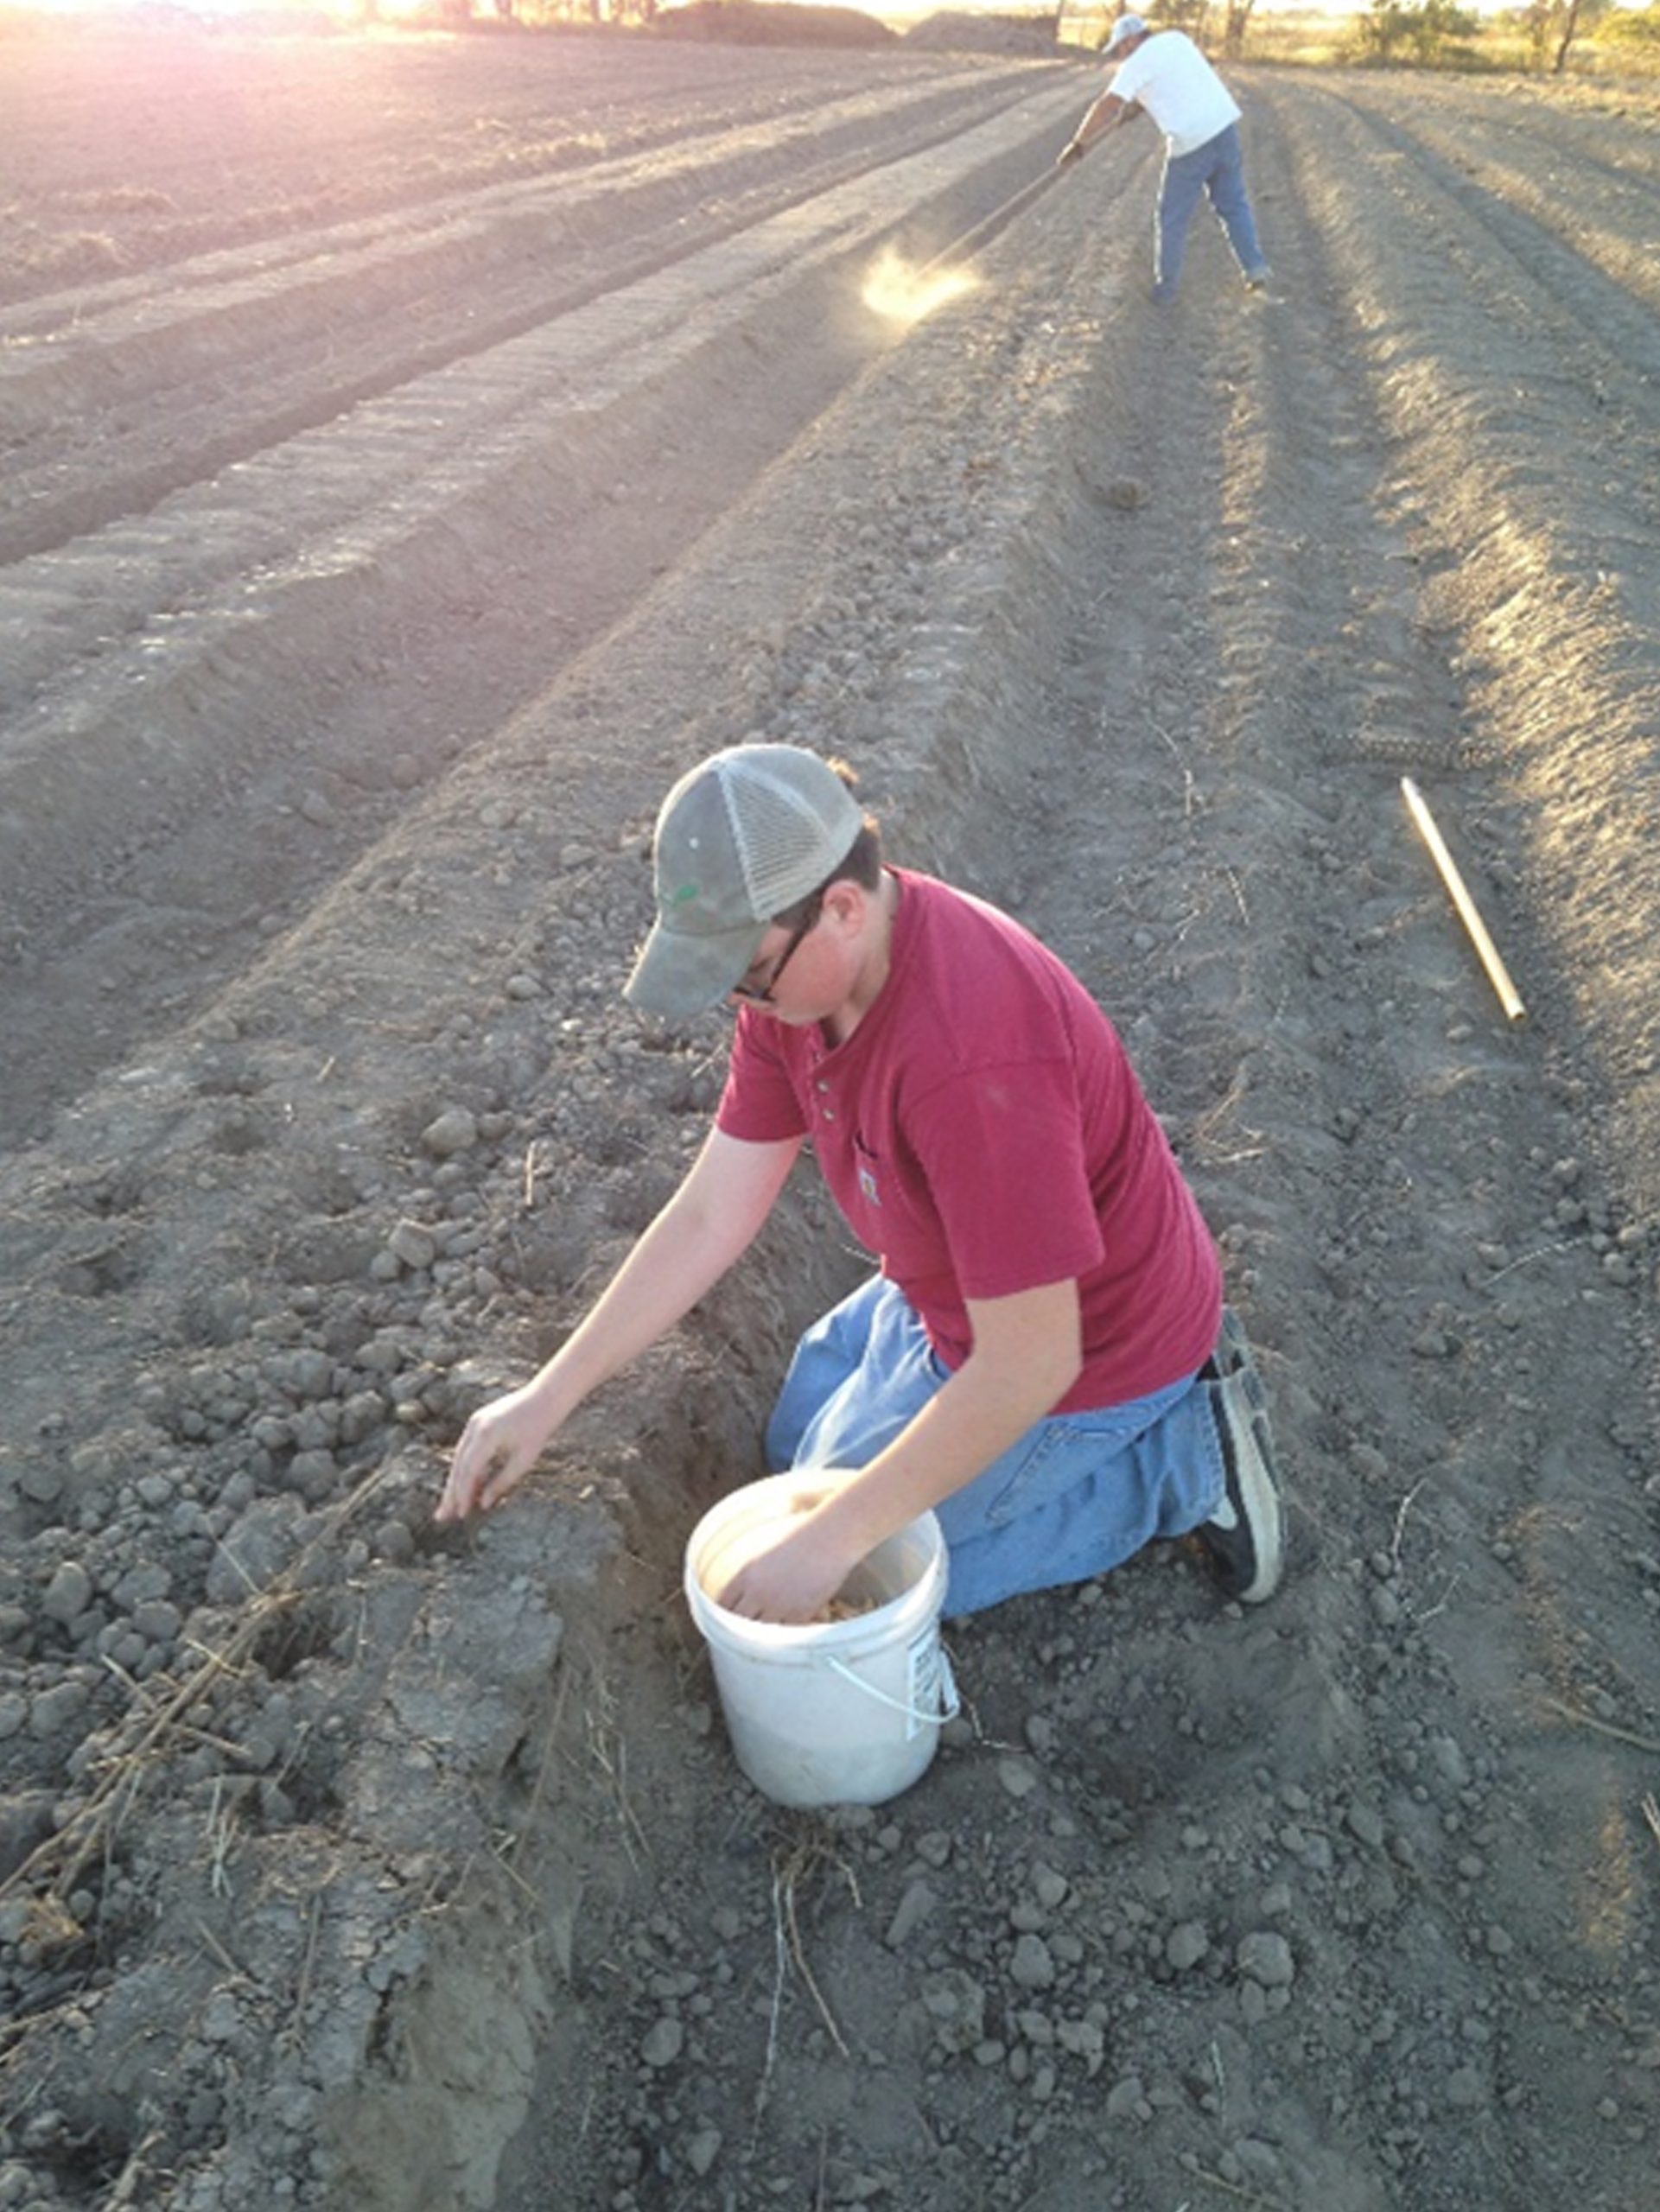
(680, 974)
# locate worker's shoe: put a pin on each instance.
(1244, 1538)
(1233, 1355)
(1258, 280)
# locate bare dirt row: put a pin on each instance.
(314, 459)
(351, 1865)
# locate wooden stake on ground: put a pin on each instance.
(1498, 974)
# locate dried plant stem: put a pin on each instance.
(1401, 1524)
(220, 1953)
(125, 2191)
(781, 1967)
(159, 1723)
(1603, 1727)
(1233, 2188)
(1187, 789)
(303, 1993)
(824, 2012)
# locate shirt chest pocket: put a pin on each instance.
(894, 1212)
(868, 1172)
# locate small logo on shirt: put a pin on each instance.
(867, 1184)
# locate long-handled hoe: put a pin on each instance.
(906, 293)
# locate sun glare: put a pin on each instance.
(368, 15)
(904, 294)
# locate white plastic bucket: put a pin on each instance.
(837, 1713)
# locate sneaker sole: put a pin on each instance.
(1234, 1358)
(1259, 1490)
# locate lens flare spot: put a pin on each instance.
(904, 294)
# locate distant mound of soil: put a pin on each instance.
(753, 22)
(953, 31)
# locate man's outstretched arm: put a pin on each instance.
(1107, 114)
(710, 1223)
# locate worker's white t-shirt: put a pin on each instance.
(1179, 89)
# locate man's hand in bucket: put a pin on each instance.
(790, 1582)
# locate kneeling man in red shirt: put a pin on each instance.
(1043, 1357)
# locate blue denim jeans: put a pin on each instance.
(1078, 1494)
(1217, 168)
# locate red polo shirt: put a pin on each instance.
(984, 1132)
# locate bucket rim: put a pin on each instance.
(800, 1642)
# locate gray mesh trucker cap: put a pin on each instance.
(739, 838)
(1127, 27)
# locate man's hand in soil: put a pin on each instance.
(498, 1447)
(712, 1219)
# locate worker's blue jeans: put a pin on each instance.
(1217, 168)
(1077, 1494)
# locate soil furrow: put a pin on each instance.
(435, 493)
(1576, 151)
(1529, 546)
(109, 388)
(1560, 244)
(260, 164)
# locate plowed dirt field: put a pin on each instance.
(415, 453)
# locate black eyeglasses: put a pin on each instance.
(761, 993)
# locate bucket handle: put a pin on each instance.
(952, 1705)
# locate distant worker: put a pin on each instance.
(1164, 73)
